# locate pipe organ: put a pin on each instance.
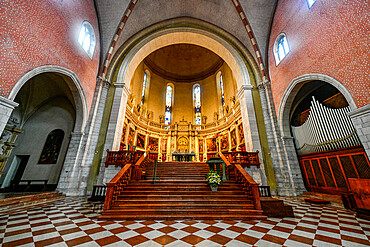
(325, 129)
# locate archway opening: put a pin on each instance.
(39, 129)
(201, 106)
(328, 148)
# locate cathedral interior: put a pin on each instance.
(113, 113)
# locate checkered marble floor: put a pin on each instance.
(72, 221)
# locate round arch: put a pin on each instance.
(184, 30)
(74, 85)
(179, 31)
(292, 90)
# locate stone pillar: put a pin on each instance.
(6, 108)
(251, 134)
(69, 177)
(96, 114)
(114, 132)
(77, 166)
(361, 120)
(284, 158)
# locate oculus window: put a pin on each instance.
(86, 38)
(281, 48)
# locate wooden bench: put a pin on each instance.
(16, 183)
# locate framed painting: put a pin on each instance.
(211, 145)
(241, 134)
(153, 144)
(234, 142)
(224, 142)
(140, 141)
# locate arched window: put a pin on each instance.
(222, 90)
(143, 91)
(53, 143)
(281, 48)
(197, 108)
(168, 113)
(86, 38)
(310, 3)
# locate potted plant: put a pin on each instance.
(213, 180)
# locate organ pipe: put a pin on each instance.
(325, 129)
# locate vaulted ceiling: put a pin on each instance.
(221, 13)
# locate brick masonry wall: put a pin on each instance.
(331, 38)
(36, 33)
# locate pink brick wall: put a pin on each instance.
(45, 32)
(331, 38)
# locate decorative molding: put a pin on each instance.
(248, 27)
(117, 34)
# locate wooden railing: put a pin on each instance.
(121, 158)
(245, 159)
(245, 181)
(129, 172)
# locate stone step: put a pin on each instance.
(228, 216)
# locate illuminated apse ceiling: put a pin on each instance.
(183, 62)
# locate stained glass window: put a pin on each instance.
(310, 3)
(222, 90)
(198, 115)
(167, 114)
(143, 91)
(86, 38)
(282, 49)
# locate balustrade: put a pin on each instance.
(245, 181)
(121, 158)
(245, 159)
(130, 171)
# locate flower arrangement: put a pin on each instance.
(213, 179)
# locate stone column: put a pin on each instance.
(76, 170)
(252, 140)
(69, 177)
(284, 158)
(251, 134)
(361, 120)
(91, 172)
(6, 108)
(114, 132)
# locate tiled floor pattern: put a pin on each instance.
(72, 222)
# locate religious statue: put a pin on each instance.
(226, 108)
(233, 100)
(161, 119)
(204, 119)
(215, 116)
(149, 115)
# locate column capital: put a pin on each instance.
(122, 85)
(100, 81)
(243, 88)
(8, 103)
(77, 134)
(287, 138)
